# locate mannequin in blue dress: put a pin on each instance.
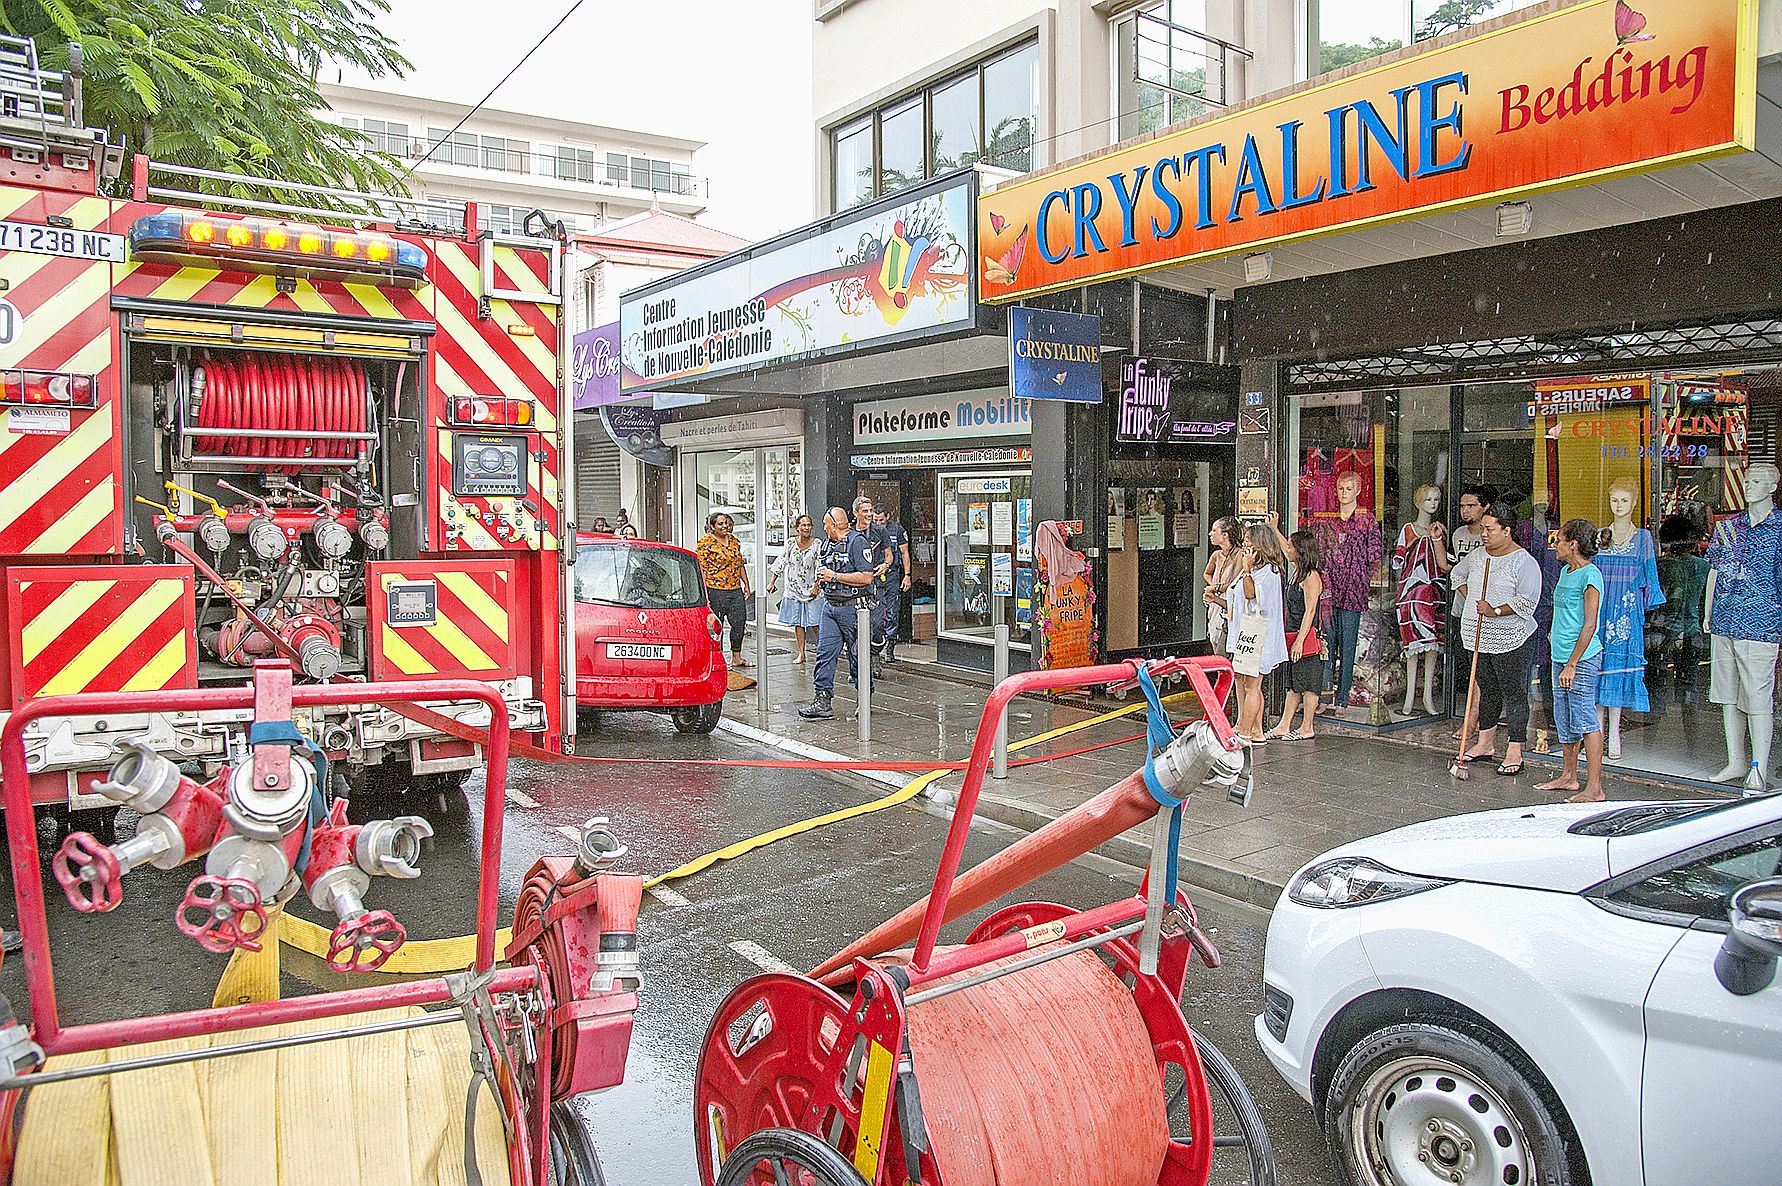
(1629, 562)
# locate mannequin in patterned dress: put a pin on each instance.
(1421, 560)
(1629, 562)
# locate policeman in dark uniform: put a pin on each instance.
(845, 573)
(895, 584)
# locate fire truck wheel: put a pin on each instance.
(702, 718)
(573, 1159)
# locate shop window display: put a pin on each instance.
(1675, 470)
(987, 575)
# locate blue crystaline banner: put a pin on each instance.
(1054, 355)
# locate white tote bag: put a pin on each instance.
(1246, 644)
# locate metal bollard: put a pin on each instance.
(1001, 663)
(761, 698)
(863, 667)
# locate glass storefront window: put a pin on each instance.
(1351, 31)
(725, 481)
(986, 555)
(1656, 461)
(901, 152)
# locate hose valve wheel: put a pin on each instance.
(363, 943)
(89, 874)
(222, 914)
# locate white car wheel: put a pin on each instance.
(1424, 1105)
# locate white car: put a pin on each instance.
(1548, 994)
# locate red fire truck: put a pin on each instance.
(234, 427)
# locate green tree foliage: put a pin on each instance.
(1452, 15)
(1336, 55)
(221, 84)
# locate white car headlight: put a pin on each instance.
(1354, 881)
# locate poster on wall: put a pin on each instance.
(952, 519)
(1185, 525)
(1116, 517)
(1064, 615)
(978, 524)
(1153, 505)
(1002, 575)
(1002, 524)
(1024, 529)
(1024, 597)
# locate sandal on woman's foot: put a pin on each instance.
(1485, 757)
(1509, 769)
(1296, 735)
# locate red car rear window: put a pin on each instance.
(647, 578)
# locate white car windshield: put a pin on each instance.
(646, 578)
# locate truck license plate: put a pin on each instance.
(637, 650)
(55, 240)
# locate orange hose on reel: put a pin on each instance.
(1046, 1075)
(539, 891)
(1124, 805)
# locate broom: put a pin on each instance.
(1458, 767)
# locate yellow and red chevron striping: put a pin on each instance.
(471, 630)
(100, 628)
(61, 485)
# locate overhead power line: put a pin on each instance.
(434, 147)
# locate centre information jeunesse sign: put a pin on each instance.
(1585, 93)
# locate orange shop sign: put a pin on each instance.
(1600, 89)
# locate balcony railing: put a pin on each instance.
(553, 166)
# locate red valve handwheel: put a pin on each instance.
(362, 944)
(233, 915)
(89, 874)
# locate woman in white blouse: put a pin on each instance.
(798, 564)
(1499, 610)
(1255, 595)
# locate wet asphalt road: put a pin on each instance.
(798, 900)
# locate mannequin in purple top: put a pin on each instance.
(1352, 551)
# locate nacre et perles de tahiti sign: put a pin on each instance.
(1581, 94)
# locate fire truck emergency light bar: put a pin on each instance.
(466, 409)
(258, 245)
(43, 389)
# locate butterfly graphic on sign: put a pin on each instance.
(1060, 377)
(1630, 26)
(1002, 269)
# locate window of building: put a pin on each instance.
(1161, 62)
(642, 172)
(986, 567)
(987, 112)
(902, 161)
(1011, 108)
(953, 115)
(573, 164)
(1350, 33)
(506, 156)
(853, 163)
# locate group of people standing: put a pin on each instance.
(865, 557)
(1264, 594)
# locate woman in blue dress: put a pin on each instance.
(1629, 562)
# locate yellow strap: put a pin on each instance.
(436, 956)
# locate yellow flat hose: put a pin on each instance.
(251, 975)
(438, 956)
(379, 1110)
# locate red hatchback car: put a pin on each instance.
(644, 637)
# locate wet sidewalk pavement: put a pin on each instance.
(1309, 796)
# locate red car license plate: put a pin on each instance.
(638, 650)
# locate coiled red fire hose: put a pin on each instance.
(282, 393)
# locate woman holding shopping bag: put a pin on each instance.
(1258, 638)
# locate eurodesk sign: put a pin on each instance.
(1597, 90)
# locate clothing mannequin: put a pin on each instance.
(1745, 620)
(1629, 562)
(1420, 560)
(1352, 550)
